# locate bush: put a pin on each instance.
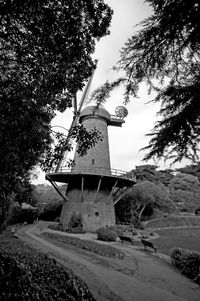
(100, 249)
(19, 214)
(50, 211)
(59, 227)
(188, 262)
(107, 233)
(76, 220)
(77, 230)
(28, 215)
(15, 214)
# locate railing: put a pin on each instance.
(117, 117)
(97, 170)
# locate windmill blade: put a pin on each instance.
(87, 89)
(76, 115)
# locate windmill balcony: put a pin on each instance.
(98, 171)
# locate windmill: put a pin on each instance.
(93, 188)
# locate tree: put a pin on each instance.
(185, 188)
(146, 194)
(142, 195)
(45, 57)
(165, 55)
(193, 169)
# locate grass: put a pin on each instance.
(174, 221)
(186, 238)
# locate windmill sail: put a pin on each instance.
(63, 159)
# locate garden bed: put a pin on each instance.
(27, 274)
(100, 249)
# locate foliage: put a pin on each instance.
(28, 215)
(50, 211)
(59, 227)
(21, 214)
(188, 262)
(26, 274)
(185, 188)
(100, 249)
(126, 213)
(142, 200)
(15, 213)
(164, 54)
(193, 169)
(84, 140)
(127, 228)
(23, 192)
(76, 220)
(107, 233)
(147, 194)
(150, 173)
(6, 202)
(45, 58)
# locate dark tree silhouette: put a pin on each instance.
(165, 55)
(45, 57)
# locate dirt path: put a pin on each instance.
(139, 276)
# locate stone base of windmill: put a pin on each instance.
(93, 212)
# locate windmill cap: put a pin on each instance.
(95, 111)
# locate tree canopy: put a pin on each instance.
(164, 54)
(185, 189)
(45, 58)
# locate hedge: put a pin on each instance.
(100, 249)
(59, 227)
(188, 262)
(26, 274)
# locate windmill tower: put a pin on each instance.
(92, 184)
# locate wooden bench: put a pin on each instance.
(126, 238)
(149, 244)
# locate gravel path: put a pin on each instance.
(140, 276)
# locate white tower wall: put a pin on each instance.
(98, 156)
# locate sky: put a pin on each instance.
(125, 142)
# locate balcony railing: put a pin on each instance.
(98, 171)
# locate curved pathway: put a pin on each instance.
(140, 276)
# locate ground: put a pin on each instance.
(139, 276)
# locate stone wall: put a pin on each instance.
(94, 209)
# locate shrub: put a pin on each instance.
(188, 262)
(100, 249)
(22, 213)
(107, 233)
(15, 214)
(76, 220)
(28, 215)
(77, 230)
(50, 211)
(59, 227)
(27, 274)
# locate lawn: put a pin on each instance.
(187, 238)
